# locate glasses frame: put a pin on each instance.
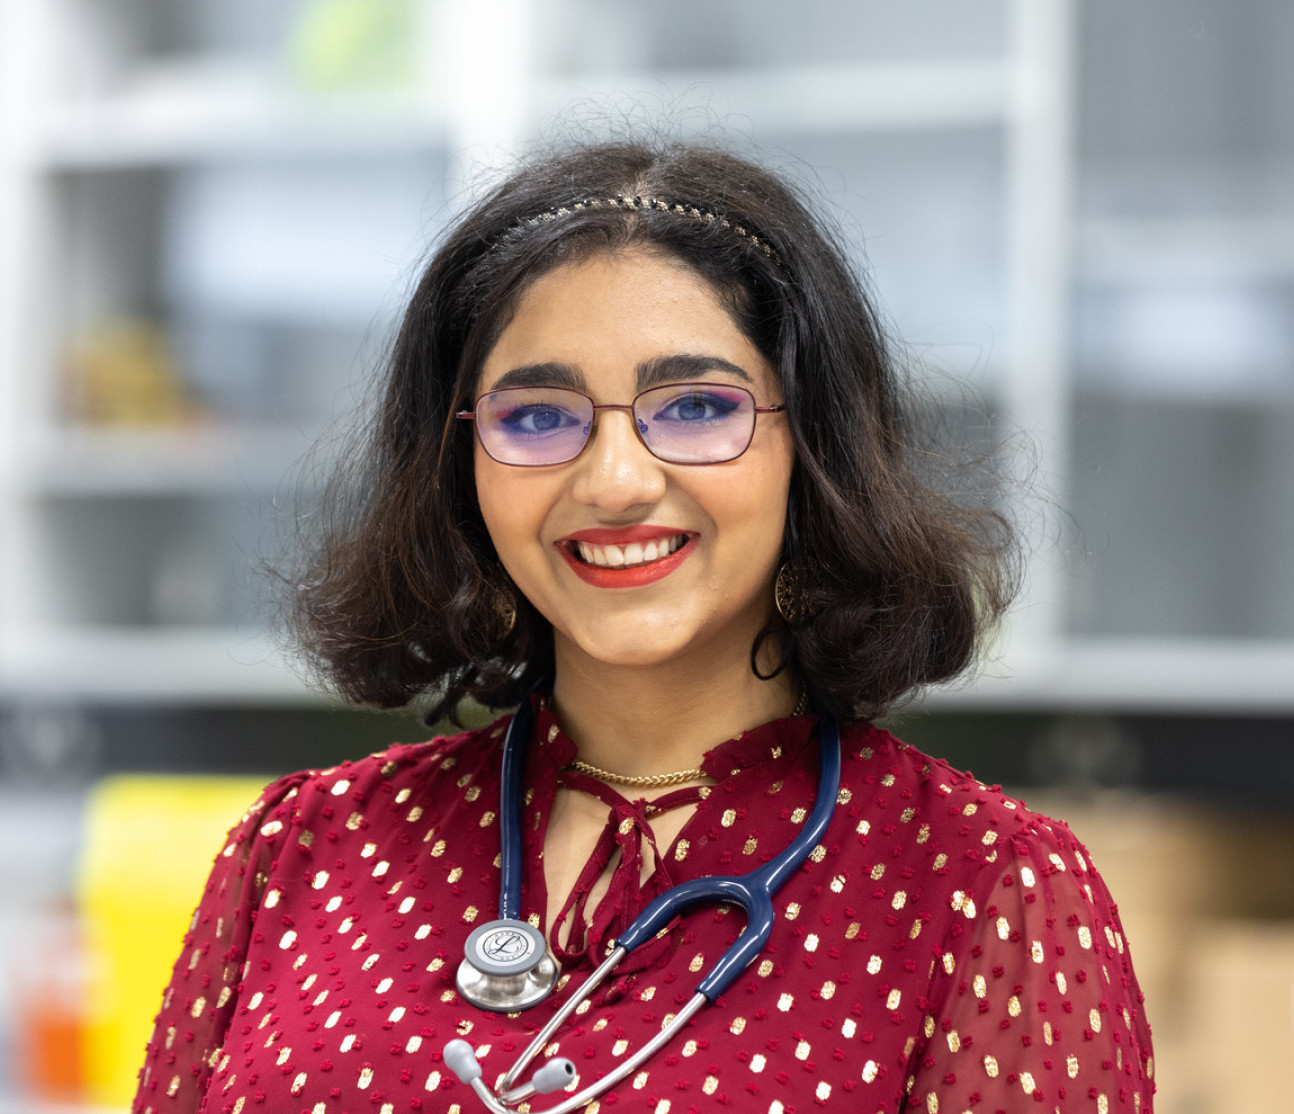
(471, 416)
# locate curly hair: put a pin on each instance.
(399, 595)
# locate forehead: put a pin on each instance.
(605, 316)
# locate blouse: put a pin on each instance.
(941, 949)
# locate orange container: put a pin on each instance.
(49, 991)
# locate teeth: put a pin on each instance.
(631, 555)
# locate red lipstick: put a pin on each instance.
(603, 576)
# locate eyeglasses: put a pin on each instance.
(681, 423)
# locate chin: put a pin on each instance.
(645, 641)
(628, 653)
(629, 640)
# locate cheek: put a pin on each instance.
(765, 494)
(749, 509)
(513, 503)
(498, 509)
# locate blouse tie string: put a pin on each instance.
(628, 825)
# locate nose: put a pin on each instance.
(616, 472)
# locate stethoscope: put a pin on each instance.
(507, 966)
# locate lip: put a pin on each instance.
(622, 535)
(637, 577)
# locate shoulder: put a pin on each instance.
(308, 803)
(966, 829)
(1029, 973)
(972, 857)
(899, 771)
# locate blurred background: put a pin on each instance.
(210, 211)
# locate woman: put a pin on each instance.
(641, 468)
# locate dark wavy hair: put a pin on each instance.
(399, 595)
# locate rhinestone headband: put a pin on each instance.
(651, 204)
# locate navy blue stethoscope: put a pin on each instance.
(508, 967)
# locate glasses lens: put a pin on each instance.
(533, 425)
(696, 423)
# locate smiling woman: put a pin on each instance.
(642, 470)
(615, 322)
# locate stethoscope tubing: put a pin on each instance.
(511, 776)
(740, 889)
(754, 892)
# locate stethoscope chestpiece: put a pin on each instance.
(506, 967)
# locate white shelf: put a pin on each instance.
(1110, 676)
(150, 664)
(1133, 675)
(1221, 248)
(203, 459)
(809, 100)
(180, 113)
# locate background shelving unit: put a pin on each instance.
(262, 202)
(259, 212)
(172, 185)
(262, 199)
(1182, 397)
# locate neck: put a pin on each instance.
(637, 720)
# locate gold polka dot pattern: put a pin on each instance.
(944, 949)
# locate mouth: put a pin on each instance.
(631, 555)
(625, 558)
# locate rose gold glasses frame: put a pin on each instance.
(470, 416)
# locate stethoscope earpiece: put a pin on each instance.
(507, 967)
(461, 1059)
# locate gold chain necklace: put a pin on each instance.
(639, 781)
(659, 781)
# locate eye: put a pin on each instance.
(537, 418)
(700, 406)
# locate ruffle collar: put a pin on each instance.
(779, 739)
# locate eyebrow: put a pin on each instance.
(679, 368)
(550, 374)
(682, 368)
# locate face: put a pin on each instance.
(633, 560)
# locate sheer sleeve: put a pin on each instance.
(1034, 998)
(202, 996)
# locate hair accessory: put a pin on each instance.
(790, 596)
(652, 204)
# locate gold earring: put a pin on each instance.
(789, 595)
(503, 602)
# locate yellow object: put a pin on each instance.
(355, 44)
(148, 846)
(122, 374)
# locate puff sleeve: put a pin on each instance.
(201, 999)
(1034, 1000)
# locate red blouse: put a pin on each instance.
(942, 947)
